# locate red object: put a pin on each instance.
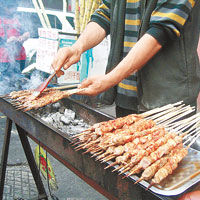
(9, 28)
(195, 195)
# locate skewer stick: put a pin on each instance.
(96, 154)
(159, 115)
(187, 125)
(187, 120)
(124, 170)
(174, 116)
(80, 134)
(150, 185)
(118, 168)
(108, 158)
(139, 180)
(192, 142)
(111, 165)
(183, 113)
(189, 134)
(156, 110)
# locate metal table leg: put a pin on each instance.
(4, 156)
(31, 161)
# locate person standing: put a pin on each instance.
(12, 36)
(153, 59)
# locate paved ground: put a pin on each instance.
(19, 182)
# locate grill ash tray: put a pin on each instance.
(186, 175)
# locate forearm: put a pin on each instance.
(139, 55)
(25, 36)
(91, 36)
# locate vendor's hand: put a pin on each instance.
(94, 85)
(12, 39)
(65, 57)
(23, 37)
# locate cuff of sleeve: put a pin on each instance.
(101, 23)
(158, 34)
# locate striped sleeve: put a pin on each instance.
(102, 16)
(172, 15)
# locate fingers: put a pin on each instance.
(85, 83)
(61, 58)
(90, 87)
(59, 73)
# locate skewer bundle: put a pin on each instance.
(150, 144)
(22, 100)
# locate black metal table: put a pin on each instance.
(58, 145)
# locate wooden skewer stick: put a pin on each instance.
(111, 165)
(184, 121)
(159, 116)
(80, 134)
(174, 116)
(187, 125)
(195, 136)
(118, 168)
(108, 158)
(96, 154)
(156, 110)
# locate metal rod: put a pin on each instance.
(4, 156)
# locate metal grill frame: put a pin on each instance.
(58, 145)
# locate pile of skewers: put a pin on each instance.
(24, 99)
(149, 144)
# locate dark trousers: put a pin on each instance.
(122, 112)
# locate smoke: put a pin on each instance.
(16, 81)
(35, 80)
(11, 78)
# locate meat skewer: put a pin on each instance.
(22, 100)
(150, 171)
(169, 167)
(152, 135)
(151, 148)
(161, 151)
(128, 120)
(123, 135)
(108, 126)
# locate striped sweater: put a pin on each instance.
(166, 23)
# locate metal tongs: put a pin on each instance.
(41, 87)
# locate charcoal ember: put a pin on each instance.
(61, 109)
(73, 130)
(48, 109)
(70, 114)
(61, 118)
(75, 122)
(56, 106)
(65, 129)
(78, 129)
(65, 120)
(81, 123)
(56, 116)
(57, 124)
(49, 120)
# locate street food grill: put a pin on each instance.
(161, 119)
(24, 100)
(150, 144)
